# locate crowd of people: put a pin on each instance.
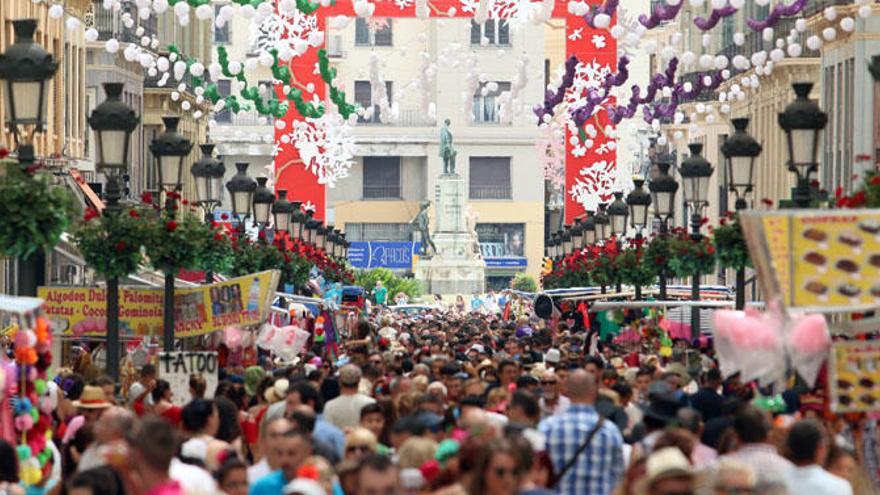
(454, 403)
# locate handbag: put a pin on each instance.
(568, 465)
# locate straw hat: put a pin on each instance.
(277, 391)
(663, 464)
(92, 398)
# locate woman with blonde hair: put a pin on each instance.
(359, 442)
(416, 451)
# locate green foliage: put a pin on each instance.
(631, 268)
(687, 256)
(175, 244)
(35, 214)
(111, 243)
(295, 270)
(368, 278)
(730, 245)
(217, 254)
(524, 282)
(657, 254)
(251, 257)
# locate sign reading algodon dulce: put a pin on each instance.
(198, 310)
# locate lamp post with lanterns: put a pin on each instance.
(740, 151)
(263, 199)
(803, 121)
(26, 72)
(113, 122)
(638, 202)
(170, 149)
(241, 189)
(208, 173)
(695, 173)
(617, 214)
(663, 188)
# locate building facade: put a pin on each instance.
(398, 160)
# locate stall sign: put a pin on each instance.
(177, 366)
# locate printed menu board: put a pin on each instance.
(818, 260)
(854, 377)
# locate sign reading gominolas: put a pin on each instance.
(240, 301)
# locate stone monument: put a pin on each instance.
(453, 265)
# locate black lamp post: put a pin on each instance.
(802, 122)
(297, 220)
(554, 252)
(695, 173)
(263, 199)
(566, 242)
(617, 213)
(320, 235)
(113, 122)
(329, 230)
(663, 188)
(208, 173)
(170, 149)
(577, 235)
(26, 70)
(241, 189)
(311, 231)
(589, 227)
(602, 224)
(638, 202)
(740, 151)
(282, 211)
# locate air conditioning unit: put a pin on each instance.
(334, 46)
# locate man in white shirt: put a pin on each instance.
(345, 410)
(808, 446)
(270, 434)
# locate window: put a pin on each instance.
(486, 101)
(490, 177)
(224, 88)
(221, 34)
(364, 35)
(381, 177)
(501, 240)
(378, 232)
(495, 31)
(363, 96)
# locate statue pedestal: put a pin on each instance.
(454, 269)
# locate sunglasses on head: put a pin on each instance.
(358, 448)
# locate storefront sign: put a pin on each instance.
(853, 380)
(177, 366)
(240, 301)
(383, 254)
(817, 260)
(507, 262)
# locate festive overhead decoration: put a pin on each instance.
(325, 145)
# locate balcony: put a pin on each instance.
(405, 118)
(109, 23)
(381, 191)
(754, 42)
(817, 6)
(490, 192)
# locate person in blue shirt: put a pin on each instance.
(476, 302)
(293, 449)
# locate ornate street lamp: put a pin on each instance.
(26, 70)
(208, 173)
(320, 236)
(695, 173)
(328, 237)
(554, 244)
(577, 235)
(297, 220)
(282, 210)
(170, 149)
(802, 122)
(638, 201)
(663, 188)
(312, 231)
(113, 122)
(241, 189)
(618, 211)
(263, 199)
(590, 229)
(602, 224)
(566, 241)
(740, 151)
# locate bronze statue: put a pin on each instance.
(447, 152)
(421, 223)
